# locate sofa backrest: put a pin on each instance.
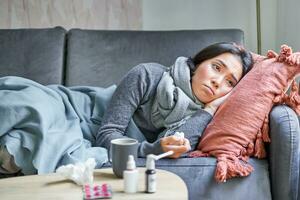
(37, 54)
(102, 57)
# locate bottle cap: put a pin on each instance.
(131, 162)
(150, 164)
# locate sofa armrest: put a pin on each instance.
(284, 153)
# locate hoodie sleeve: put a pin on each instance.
(126, 99)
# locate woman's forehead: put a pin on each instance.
(231, 62)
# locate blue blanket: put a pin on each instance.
(45, 127)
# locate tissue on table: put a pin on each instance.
(80, 173)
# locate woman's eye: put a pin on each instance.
(230, 83)
(217, 67)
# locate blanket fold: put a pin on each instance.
(45, 127)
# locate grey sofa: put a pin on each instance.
(101, 58)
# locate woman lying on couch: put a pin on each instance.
(43, 127)
(183, 98)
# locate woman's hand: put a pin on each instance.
(177, 144)
(212, 106)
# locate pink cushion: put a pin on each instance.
(239, 128)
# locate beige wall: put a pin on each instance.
(90, 14)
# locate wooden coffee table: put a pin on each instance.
(54, 186)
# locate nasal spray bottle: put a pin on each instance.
(150, 165)
(151, 173)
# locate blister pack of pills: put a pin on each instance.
(97, 192)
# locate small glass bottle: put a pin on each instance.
(130, 176)
(150, 175)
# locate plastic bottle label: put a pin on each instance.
(151, 183)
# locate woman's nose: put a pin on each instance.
(216, 82)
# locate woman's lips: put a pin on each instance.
(209, 89)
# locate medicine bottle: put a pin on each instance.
(150, 174)
(130, 176)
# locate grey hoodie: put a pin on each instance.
(133, 99)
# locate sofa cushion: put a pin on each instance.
(198, 175)
(101, 58)
(37, 54)
(284, 152)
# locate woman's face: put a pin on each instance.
(215, 77)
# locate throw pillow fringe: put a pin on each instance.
(231, 166)
(259, 148)
(285, 52)
(293, 99)
(197, 153)
(265, 130)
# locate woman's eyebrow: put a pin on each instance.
(224, 65)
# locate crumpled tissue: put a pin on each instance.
(80, 173)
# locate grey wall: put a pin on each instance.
(288, 23)
(202, 14)
(280, 19)
(280, 24)
(269, 15)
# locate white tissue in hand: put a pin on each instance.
(179, 134)
(80, 173)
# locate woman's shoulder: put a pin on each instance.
(149, 70)
(150, 67)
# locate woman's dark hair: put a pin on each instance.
(220, 48)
